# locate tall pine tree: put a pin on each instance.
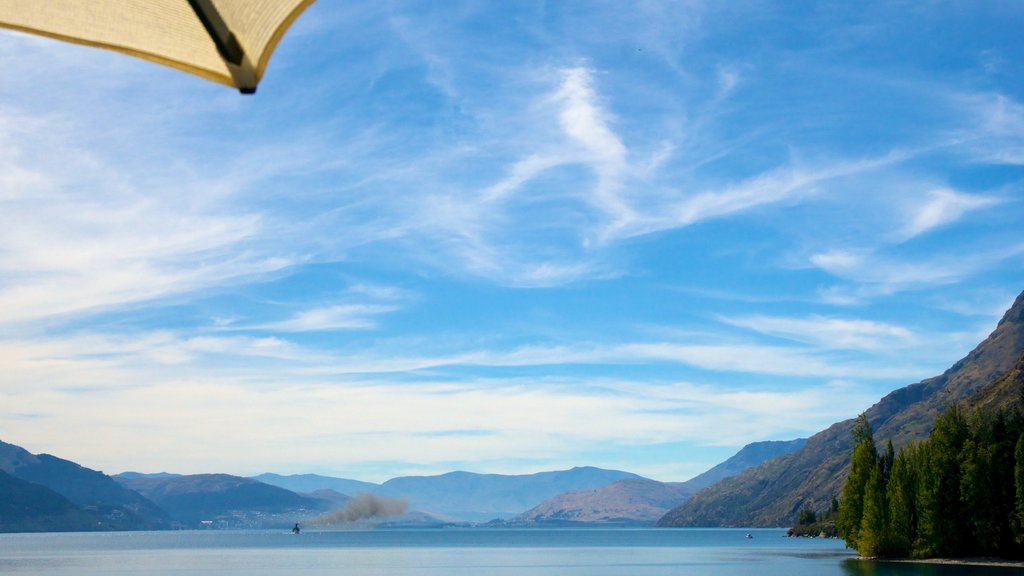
(977, 493)
(873, 538)
(902, 493)
(1018, 481)
(863, 462)
(940, 514)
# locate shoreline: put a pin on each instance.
(983, 561)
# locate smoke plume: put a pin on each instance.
(365, 506)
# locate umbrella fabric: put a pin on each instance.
(227, 41)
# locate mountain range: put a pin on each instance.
(310, 483)
(773, 493)
(45, 493)
(482, 497)
(225, 500)
(641, 500)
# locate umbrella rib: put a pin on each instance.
(242, 71)
(225, 40)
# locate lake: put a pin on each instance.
(459, 551)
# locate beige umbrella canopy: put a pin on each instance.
(227, 41)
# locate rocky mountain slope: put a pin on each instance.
(751, 455)
(772, 494)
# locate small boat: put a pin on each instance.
(749, 535)
(296, 529)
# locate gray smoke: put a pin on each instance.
(365, 506)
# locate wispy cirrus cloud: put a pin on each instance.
(625, 200)
(586, 123)
(830, 332)
(944, 206)
(995, 131)
(874, 275)
(359, 307)
(781, 185)
(335, 317)
(79, 236)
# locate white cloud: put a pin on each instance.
(838, 261)
(586, 123)
(995, 133)
(873, 275)
(727, 357)
(830, 333)
(786, 184)
(522, 172)
(80, 234)
(336, 317)
(942, 207)
(771, 360)
(586, 138)
(302, 422)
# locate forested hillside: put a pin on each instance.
(958, 493)
(774, 493)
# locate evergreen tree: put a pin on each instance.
(807, 517)
(940, 514)
(902, 493)
(872, 540)
(886, 461)
(1018, 481)
(1002, 443)
(863, 462)
(977, 494)
(960, 492)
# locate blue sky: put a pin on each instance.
(505, 238)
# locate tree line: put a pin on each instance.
(958, 493)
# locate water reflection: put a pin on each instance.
(855, 567)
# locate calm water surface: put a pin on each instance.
(463, 552)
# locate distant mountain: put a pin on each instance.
(628, 501)
(226, 501)
(480, 497)
(328, 495)
(145, 475)
(312, 482)
(113, 506)
(28, 507)
(773, 493)
(751, 455)
(643, 501)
